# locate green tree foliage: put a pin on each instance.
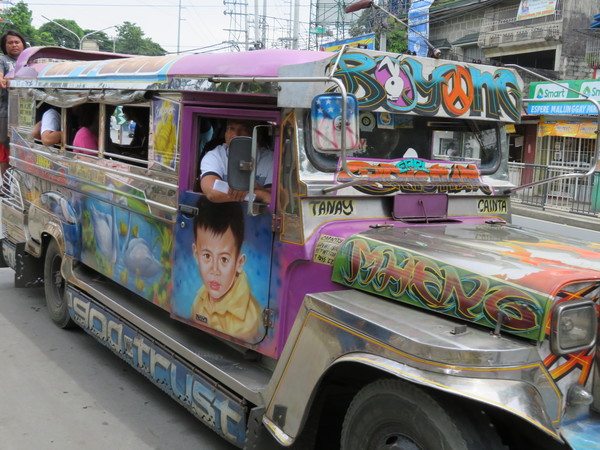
(130, 37)
(364, 24)
(397, 39)
(373, 21)
(18, 18)
(131, 40)
(61, 36)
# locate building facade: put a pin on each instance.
(548, 38)
(554, 39)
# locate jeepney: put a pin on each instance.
(382, 297)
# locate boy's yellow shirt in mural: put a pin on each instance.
(237, 314)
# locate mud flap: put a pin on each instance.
(29, 270)
(257, 436)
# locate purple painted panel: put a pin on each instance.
(257, 63)
(260, 63)
(420, 205)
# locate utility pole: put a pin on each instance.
(296, 25)
(179, 27)
(238, 32)
(263, 24)
(256, 25)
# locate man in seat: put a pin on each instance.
(214, 167)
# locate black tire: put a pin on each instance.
(393, 414)
(55, 288)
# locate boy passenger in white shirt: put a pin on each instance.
(48, 129)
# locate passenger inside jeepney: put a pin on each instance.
(48, 127)
(213, 166)
(86, 137)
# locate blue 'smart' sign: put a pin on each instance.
(552, 91)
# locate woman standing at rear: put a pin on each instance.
(12, 44)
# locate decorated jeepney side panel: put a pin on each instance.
(419, 280)
(222, 269)
(224, 413)
(164, 136)
(111, 219)
(121, 240)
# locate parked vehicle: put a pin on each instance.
(381, 297)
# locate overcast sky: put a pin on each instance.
(202, 21)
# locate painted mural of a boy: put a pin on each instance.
(225, 301)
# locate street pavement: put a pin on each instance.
(558, 222)
(64, 390)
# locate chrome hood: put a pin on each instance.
(469, 271)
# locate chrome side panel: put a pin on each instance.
(13, 223)
(354, 327)
(210, 402)
(13, 209)
(217, 360)
(41, 222)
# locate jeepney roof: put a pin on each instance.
(54, 67)
(382, 82)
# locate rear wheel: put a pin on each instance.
(396, 415)
(55, 288)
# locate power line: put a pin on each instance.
(121, 5)
(128, 5)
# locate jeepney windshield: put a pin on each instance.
(396, 136)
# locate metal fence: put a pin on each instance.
(575, 195)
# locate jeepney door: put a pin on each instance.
(222, 259)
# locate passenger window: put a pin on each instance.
(211, 133)
(85, 134)
(213, 137)
(127, 133)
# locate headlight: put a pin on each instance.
(574, 326)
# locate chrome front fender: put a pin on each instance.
(515, 397)
(351, 327)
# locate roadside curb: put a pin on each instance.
(556, 216)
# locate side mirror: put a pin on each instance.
(239, 166)
(326, 121)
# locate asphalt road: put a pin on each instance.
(555, 228)
(64, 390)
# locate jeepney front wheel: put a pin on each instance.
(55, 288)
(393, 414)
